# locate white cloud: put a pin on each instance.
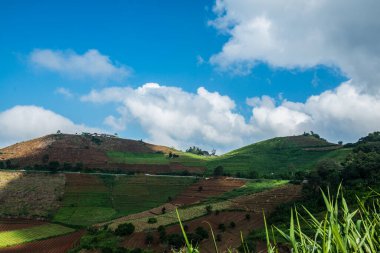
(174, 117)
(21, 123)
(91, 64)
(65, 92)
(341, 114)
(301, 34)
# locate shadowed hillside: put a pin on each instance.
(77, 152)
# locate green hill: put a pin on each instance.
(278, 156)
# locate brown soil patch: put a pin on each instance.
(210, 187)
(14, 224)
(60, 244)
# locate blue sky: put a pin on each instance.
(181, 45)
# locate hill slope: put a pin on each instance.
(281, 155)
(86, 152)
(274, 157)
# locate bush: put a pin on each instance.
(247, 216)
(218, 237)
(222, 227)
(125, 229)
(201, 232)
(208, 209)
(175, 240)
(152, 220)
(218, 171)
(149, 238)
(232, 224)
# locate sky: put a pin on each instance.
(215, 74)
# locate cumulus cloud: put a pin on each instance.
(344, 113)
(301, 34)
(91, 64)
(21, 123)
(174, 117)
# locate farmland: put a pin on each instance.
(91, 199)
(23, 194)
(14, 237)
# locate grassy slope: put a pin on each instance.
(278, 156)
(108, 197)
(14, 237)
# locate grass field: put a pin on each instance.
(91, 199)
(20, 236)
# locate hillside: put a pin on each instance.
(279, 156)
(77, 152)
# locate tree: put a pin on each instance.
(125, 229)
(218, 171)
(149, 238)
(201, 232)
(222, 227)
(53, 166)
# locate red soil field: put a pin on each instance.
(14, 224)
(210, 187)
(60, 244)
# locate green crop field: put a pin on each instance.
(184, 158)
(15, 237)
(94, 198)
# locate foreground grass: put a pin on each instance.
(340, 230)
(15, 237)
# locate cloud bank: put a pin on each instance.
(301, 34)
(174, 117)
(21, 123)
(91, 64)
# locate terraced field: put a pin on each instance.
(92, 199)
(15, 237)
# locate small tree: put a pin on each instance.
(247, 216)
(222, 227)
(232, 224)
(163, 210)
(152, 220)
(218, 171)
(125, 229)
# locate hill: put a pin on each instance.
(277, 157)
(281, 156)
(87, 151)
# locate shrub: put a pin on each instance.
(222, 227)
(149, 238)
(232, 224)
(152, 220)
(125, 229)
(201, 232)
(208, 209)
(218, 237)
(218, 171)
(247, 216)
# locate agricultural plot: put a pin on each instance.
(186, 159)
(15, 237)
(231, 201)
(91, 199)
(24, 194)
